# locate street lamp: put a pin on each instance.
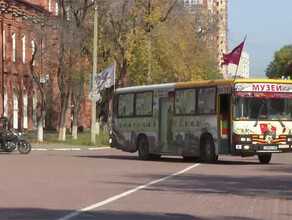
(94, 89)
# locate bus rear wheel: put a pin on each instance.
(265, 158)
(143, 148)
(207, 150)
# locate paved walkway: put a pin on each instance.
(62, 147)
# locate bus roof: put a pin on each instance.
(198, 83)
(145, 88)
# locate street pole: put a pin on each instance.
(94, 89)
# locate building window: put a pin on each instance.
(4, 47)
(23, 49)
(57, 9)
(13, 47)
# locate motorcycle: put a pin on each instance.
(14, 141)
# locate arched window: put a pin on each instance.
(15, 109)
(5, 102)
(34, 109)
(25, 109)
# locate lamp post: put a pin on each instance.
(94, 89)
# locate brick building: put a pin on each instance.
(20, 96)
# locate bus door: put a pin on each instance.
(166, 125)
(224, 123)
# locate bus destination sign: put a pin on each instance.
(262, 87)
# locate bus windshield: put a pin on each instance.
(262, 108)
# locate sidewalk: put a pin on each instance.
(62, 147)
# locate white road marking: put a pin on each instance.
(60, 149)
(111, 199)
(98, 148)
(39, 149)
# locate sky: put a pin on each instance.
(268, 26)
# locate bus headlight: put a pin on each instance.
(289, 139)
(246, 147)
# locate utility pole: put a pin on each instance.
(94, 89)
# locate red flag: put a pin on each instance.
(233, 56)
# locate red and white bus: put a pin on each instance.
(241, 117)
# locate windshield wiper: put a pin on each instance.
(277, 115)
(259, 114)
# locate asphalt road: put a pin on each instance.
(110, 184)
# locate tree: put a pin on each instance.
(180, 51)
(282, 60)
(72, 45)
(42, 54)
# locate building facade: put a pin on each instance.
(20, 95)
(243, 67)
(219, 10)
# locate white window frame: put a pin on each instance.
(15, 108)
(50, 5)
(4, 44)
(57, 9)
(25, 107)
(33, 49)
(13, 47)
(34, 109)
(5, 102)
(23, 49)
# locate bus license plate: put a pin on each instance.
(270, 147)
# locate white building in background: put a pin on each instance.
(243, 67)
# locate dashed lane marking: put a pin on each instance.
(111, 199)
(98, 148)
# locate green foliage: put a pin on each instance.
(282, 58)
(84, 138)
(177, 54)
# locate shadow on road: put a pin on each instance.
(124, 157)
(32, 213)
(171, 159)
(277, 186)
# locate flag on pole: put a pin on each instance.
(106, 78)
(233, 56)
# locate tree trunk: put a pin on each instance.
(62, 130)
(40, 136)
(74, 132)
(97, 128)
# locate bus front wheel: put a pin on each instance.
(207, 150)
(143, 148)
(265, 158)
